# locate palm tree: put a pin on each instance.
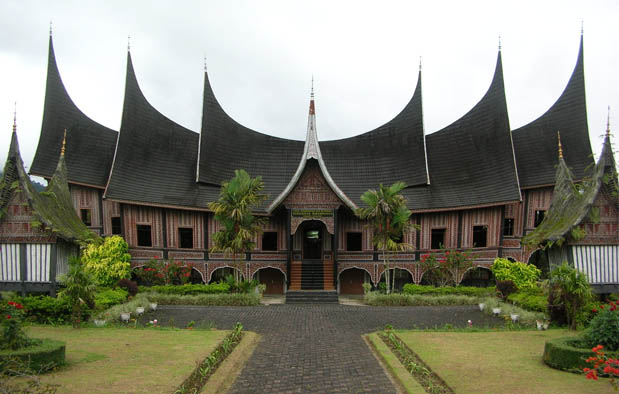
(79, 288)
(233, 211)
(387, 213)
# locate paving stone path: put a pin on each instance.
(316, 348)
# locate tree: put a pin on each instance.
(79, 288)
(109, 261)
(569, 288)
(389, 218)
(233, 211)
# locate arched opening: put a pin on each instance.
(478, 277)
(539, 258)
(398, 277)
(272, 278)
(221, 273)
(352, 280)
(437, 277)
(313, 235)
(195, 277)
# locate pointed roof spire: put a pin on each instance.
(608, 123)
(15, 118)
(50, 28)
(312, 109)
(560, 146)
(205, 62)
(499, 43)
(419, 63)
(129, 43)
(582, 26)
(64, 143)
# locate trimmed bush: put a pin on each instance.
(188, 289)
(107, 298)
(377, 299)
(604, 328)
(236, 299)
(505, 288)
(411, 288)
(48, 310)
(569, 354)
(130, 286)
(109, 261)
(523, 275)
(43, 356)
(532, 299)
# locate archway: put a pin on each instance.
(273, 278)
(478, 277)
(351, 280)
(399, 278)
(539, 258)
(221, 273)
(195, 277)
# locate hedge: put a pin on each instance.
(396, 299)
(235, 299)
(411, 288)
(48, 310)
(530, 300)
(188, 289)
(569, 354)
(43, 356)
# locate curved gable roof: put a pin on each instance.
(535, 145)
(471, 162)
(91, 149)
(155, 158)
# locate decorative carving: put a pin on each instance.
(255, 267)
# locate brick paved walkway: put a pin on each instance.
(316, 348)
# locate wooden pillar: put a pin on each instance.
(23, 271)
(164, 229)
(53, 263)
(288, 246)
(206, 236)
(335, 246)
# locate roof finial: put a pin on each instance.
(608, 123)
(50, 28)
(312, 93)
(64, 143)
(582, 26)
(560, 146)
(15, 118)
(419, 63)
(129, 43)
(205, 62)
(499, 43)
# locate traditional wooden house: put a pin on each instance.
(39, 231)
(476, 184)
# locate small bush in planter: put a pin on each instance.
(604, 328)
(129, 285)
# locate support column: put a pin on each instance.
(288, 246)
(23, 272)
(53, 263)
(335, 242)
(164, 227)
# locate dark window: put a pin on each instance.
(185, 238)
(269, 240)
(539, 216)
(116, 226)
(480, 236)
(438, 238)
(144, 237)
(353, 242)
(508, 227)
(86, 216)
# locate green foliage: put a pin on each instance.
(177, 273)
(527, 318)
(604, 328)
(107, 298)
(389, 218)
(189, 289)
(523, 275)
(569, 288)
(505, 288)
(446, 268)
(233, 210)
(411, 288)
(79, 289)
(11, 320)
(235, 299)
(568, 353)
(49, 310)
(109, 262)
(395, 299)
(17, 377)
(130, 286)
(41, 356)
(531, 299)
(151, 273)
(140, 300)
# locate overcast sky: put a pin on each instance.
(261, 56)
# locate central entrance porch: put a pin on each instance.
(312, 263)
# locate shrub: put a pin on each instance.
(79, 288)
(188, 289)
(523, 275)
(140, 300)
(109, 297)
(109, 262)
(411, 288)
(235, 299)
(49, 310)
(11, 320)
(604, 328)
(42, 356)
(532, 299)
(151, 273)
(527, 318)
(566, 353)
(505, 288)
(378, 299)
(130, 286)
(569, 288)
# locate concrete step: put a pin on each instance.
(312, 297)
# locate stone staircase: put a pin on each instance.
(312, 297)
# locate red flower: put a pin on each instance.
(594, 310)
(592, 375)
(601, 306)
(8, 317)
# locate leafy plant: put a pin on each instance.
(176, 273)
(151, 273)
(604, 327)
(11, 320)
(603, 365)
(569, 288)
(411, 288)
(47, 310)
(523, 275)
(130, 286)
(532, 299)
(189, 289)
(233, 210)
(389, 218)
(79, 288)
(446, 268)
(505, 288)
(108, 297)
(108, 261)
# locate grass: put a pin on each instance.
(497, 362)
(121, 360)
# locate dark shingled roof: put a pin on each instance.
(392, 152)
(471, 161)
(535, 143)
(91, 146)
(155, 159)
(225, 146)
(52, 207)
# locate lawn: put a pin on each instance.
(124, 360)
(497, 362)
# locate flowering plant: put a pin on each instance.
(604, 327)
(11, 319)
(150, 274)
(177, 273)
(602, 366)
